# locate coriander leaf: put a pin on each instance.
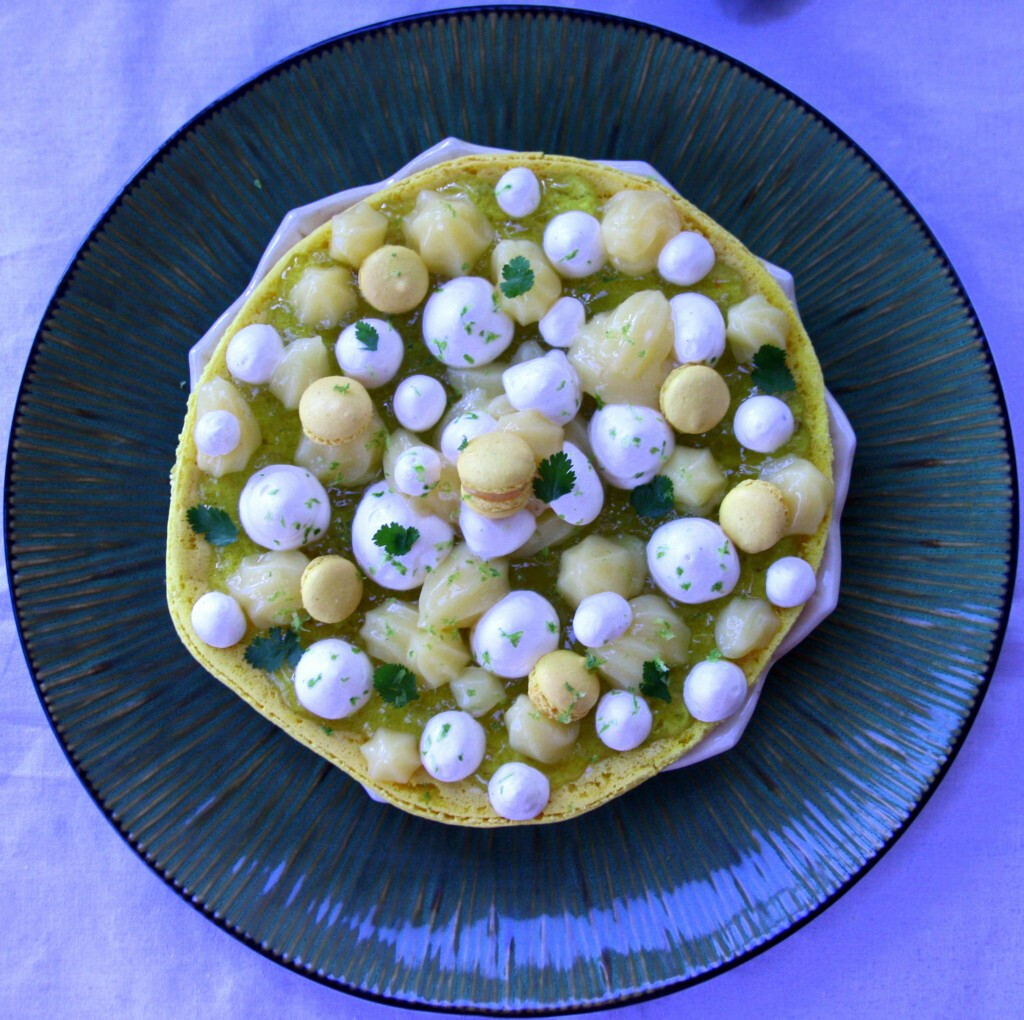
(394, 539)
(653, 499)
(555, 477)
(714, 655)
(770, 372)
(655, 680)
(272, 651)
(593, 662)
(395, 684)
(213, 524)
(367, 336)
(517, 276)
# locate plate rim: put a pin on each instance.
(1013, 490)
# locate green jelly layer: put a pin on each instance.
(600, 292)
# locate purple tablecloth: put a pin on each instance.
(934, 92)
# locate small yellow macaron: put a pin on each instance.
(754, 515)
(694, 399)
(331, 588)
(394, 279)
(496, 473)
(335, 409)
(562, 687)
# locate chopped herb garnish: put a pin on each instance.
(653, 499)
(770, 374)
(367, 336)
(395, 684)
(275, 649)
(516, 276)
(574, 698)
(394, 539)
(555, 477)
(213, 524)
(715, 655)
(594, 662)
(514, 638)
(655, 680)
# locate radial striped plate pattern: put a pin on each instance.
(695, 870)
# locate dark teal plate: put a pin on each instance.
(694, 871)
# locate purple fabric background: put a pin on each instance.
(934, 92)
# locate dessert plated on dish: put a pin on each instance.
(502, 487)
